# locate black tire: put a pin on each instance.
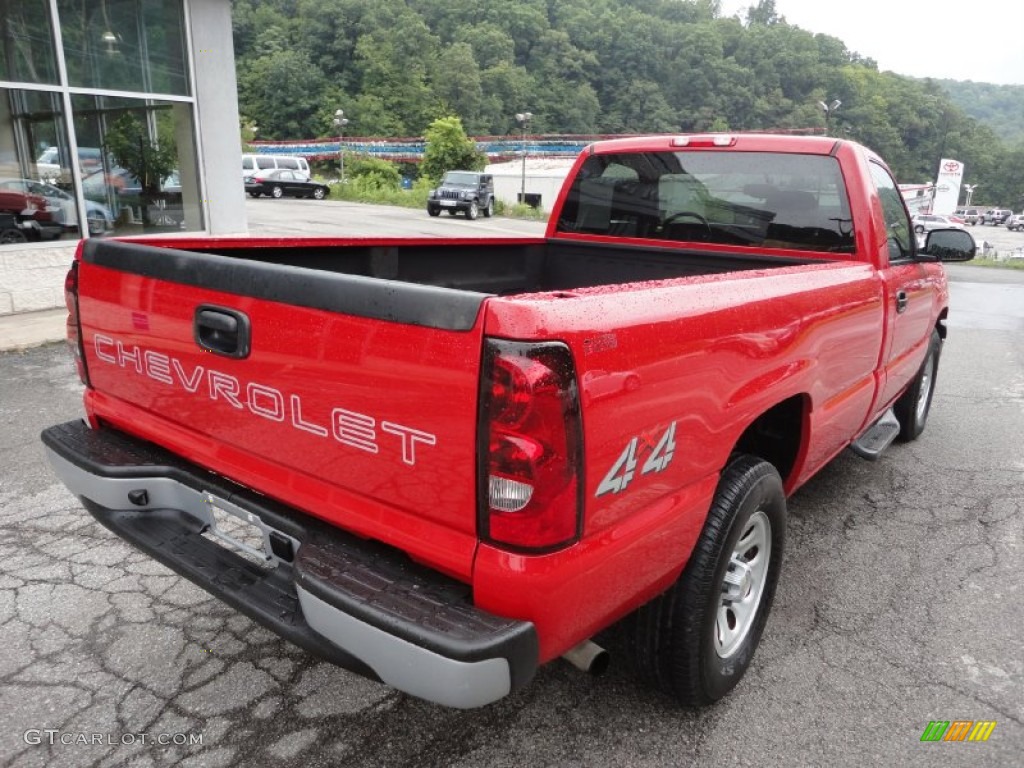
(433, 211)
(913, 406)
(319, 193)
(452, 211)
(473, 211)
(674, 642)
(489, 210)
(254, 194)
(277, 192)
(9, 236)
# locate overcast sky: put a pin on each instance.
(980, 41)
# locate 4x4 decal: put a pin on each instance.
(659, 456)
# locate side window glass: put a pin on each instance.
(898, 232)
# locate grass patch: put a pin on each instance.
(355, 191)
(998, 263)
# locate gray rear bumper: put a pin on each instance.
(360, 604)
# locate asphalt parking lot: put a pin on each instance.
(900, 603)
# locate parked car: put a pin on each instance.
(996, 215)
(99, 217)
(284, 182)
(126, 184)
(10, 230)
(926, 222)
(32, 214)
(466, 191)
(1015, 222)
(448, 472)
(970, 215)
(53, 164)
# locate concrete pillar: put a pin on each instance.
(216, 97)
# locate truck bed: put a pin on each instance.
(489, 268)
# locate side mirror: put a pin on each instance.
(950, 245)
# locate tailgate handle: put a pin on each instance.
(222, 331)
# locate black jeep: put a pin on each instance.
(467, 191)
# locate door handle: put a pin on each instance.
(222, 331)
(901, 301)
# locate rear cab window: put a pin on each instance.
(756, 199)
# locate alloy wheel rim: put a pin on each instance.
(743, 585)
(927, 377)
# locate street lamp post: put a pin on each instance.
(341, 121)
(523, 118)
(829, 109)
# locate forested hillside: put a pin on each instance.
(1001, 107)
(591, 66)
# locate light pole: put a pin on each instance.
(341, 121)
(829, 109)
(970, 192)
(523, 118)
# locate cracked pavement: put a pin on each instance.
(900, 603)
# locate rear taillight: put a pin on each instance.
(74, 336)
(531, 445)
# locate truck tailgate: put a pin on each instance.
(299, 383)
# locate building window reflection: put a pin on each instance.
(76, 161)
(27, 51)
(37, 200)
(125, 45)
(147, 173)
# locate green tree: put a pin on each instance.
(282, 91)
(148, 160)
(456, 85)
(604, 66)
(448, 149)
(373, 173)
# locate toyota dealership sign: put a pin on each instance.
(947, 186)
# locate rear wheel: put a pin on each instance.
(12, 235)
(277, 192)
(696, 640)
(319, 193)
(489, 210)
(913, 406)
(473, 211)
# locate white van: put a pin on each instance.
(253, 163)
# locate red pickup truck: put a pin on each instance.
(443, 463)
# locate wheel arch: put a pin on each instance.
(778, 435)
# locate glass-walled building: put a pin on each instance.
(109, 126)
